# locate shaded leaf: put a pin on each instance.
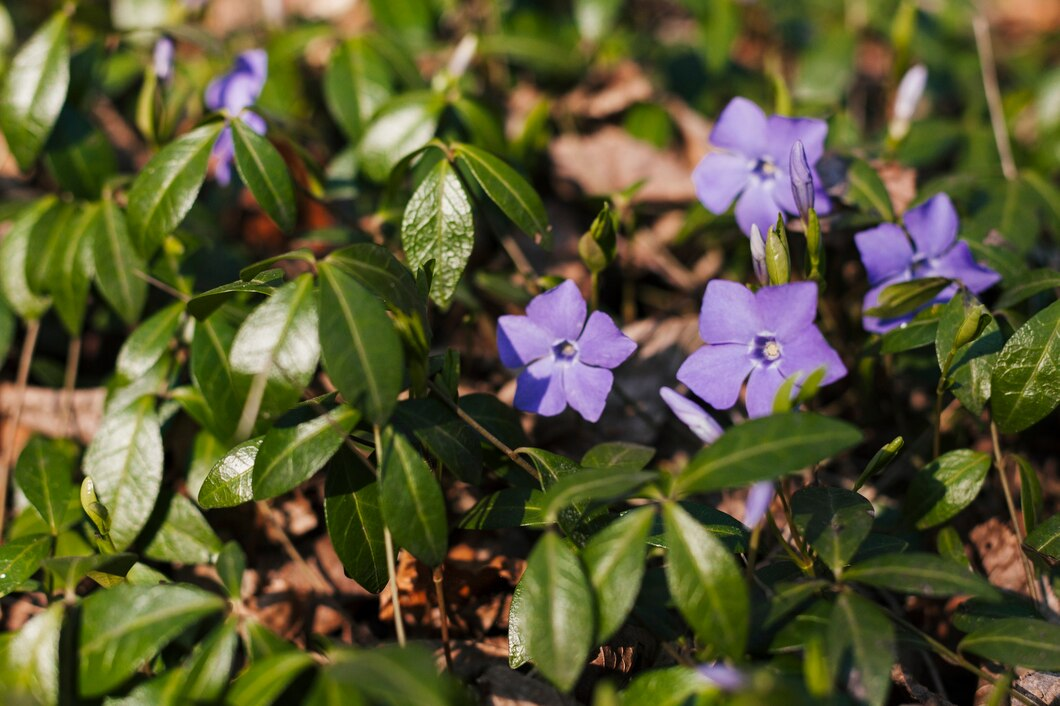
(265, 173)
(921, 331)
(861, 648)
(117, 262)
(72, 271)
(834, 521)
(14, 250)
(412, 500)
(1023, 642)
(904, 297)
(148, 342)
(614, 559)
(1045, 538)
(598, 484)
(618, 456)
(946, 486)
(354, 515)
(356, 83)
(1034, 282)
(1026, 379)
(185, 536)
(920, 574)
(444, 435)
(510, 507)
(79, 155)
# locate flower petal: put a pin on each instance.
(759, 498)
(959, 264)
(520, 341)
(602, 344)
(782, 132)
(716, 373)
(874, 324)
(808, 350)
(885, 251)
(221, 157)
(719, 178)
(560, 311)
(253, 62)
(762, 390)
(587, 389)
(757, 206)
(729, 313)
(932, 225)
(787, 309)
(741, 128)
(254, 121)
(540, 389)
(694, 416)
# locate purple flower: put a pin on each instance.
(723, 676)
(233, 93)
(758, 255)
(568, 360)
(802, 188)
(769, 335)
(759, 498)
(162, 58)
(752, 162)
(889, 257)
(694, 416)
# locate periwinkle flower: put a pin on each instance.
(906, 98)
(889, 257)
(768, 335)
(162, 58)
(695, 417)
(723, 676)
(235, 92)
(758, 255)
(802, 184)
(759, 498)
(568, 360)
(752, 161)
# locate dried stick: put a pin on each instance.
(22, 377)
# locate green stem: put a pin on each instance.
(21, 380)
(594, 291)
(940, 391)
(388, 544)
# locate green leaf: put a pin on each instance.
(20, 558)
(507, 189)
(361, 349)
(1045, 538)
(834, 521)
(395, 676)
(33, 659)
(209, 667)
(378, 271)
(725, 527)
(598, 484)
(291, 454)
(976, 613)
(444, 435)
(104, 569)
(45, 472)
(79, 156)
(412, 500)
(148, 342)
(1031, 500)
(117, 262)
(438, 225)
(919, 332)
(551, 466)
(354, 515)
(554, 623)
(861, 648)
(72, 270)
(920, 574)
(510, 507)
(356, 83)
(399, 128)
(124, 461)
(946, 486)
(1023, 642)
(905, 297)
(865, 189)
(231, 565)
(34, 90)
(265, 173)
(212, 373)
(706, 584)
(671, 686)
(14, 251)
(1026, 380)
(766, 448)
(123, 628)
(229, 483)
(615, 560)
(165, 190)
(1034, 282)
(969, 372)
(266, 679)
(185, 536)
(618, 456)
(496, 417)
(202, 305)
(50, 235)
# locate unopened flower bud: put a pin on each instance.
(758, 255)
(910, 90)
(778, 262)
(801, 179)
(976, 319)
(162, 58)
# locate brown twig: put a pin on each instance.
(443, 614)
(915, 689)
(988, 68)
(73, 359)
(280, 534)
(21, 379)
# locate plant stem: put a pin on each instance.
(999, 464)
(388, 543)
(988, 68)
(21, 379)
(251, 406)
(940, 391)
(443, 614)
(73, 359)
(594, 291)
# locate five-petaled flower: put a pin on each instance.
(235, 92)
(769, 335)
(568, 360)
(751, 160)
(889, 257)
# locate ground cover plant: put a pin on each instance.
(616, 353)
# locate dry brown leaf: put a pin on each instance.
(900, 183)
(608, 92)
(999, 553)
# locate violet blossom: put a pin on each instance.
(759, 498)
(162, 58)
(234, 93)
(723, 676)
(890, 257)
(752, 162)
(768, 335)
(568, 360)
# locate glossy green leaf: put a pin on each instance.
(124, 627)
(79, 156)
(378, 271)
(865, 189)
(104, 569)
(510, 507)
(44, 472)
(20, 558)
(266, 679)
(507, 189)
(670, 686)
(33, 659)
(291, 454)
(861, 648)
(213, 376)
(766, 448)
(209, 667)
(444, 435)
(229, 483)
(946, 486)
(1031, 500)
(1045, 538)
(116, 264)
(265, 173)
(166, 188)
(834, 521)
(124, 461)
(726, 528)
(1026, 380)
(394, 676)
(919, 574)
(551, 466)
(356, 83)
(1022, 642)
(185, 536)
(148, 342)
(72, 270)
(354, 515)
(202, 305)
(14, 252)
(49, 239)
(615, 561)
(399, 128)
(412, 500)
(706, 584)
(553, 625)
(618, 456)
(361, 349)
(921, 331)
(598, 484)
(973, 363)
(34, 89)
(1034, 282)
(905, 297)
(231, 565)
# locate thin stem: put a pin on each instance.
(251, 406)
(993, 95)
(940, 392)
(73, 359)
(159, 284)
(800, 543)
(315, 578)
(443, 614)
(752, 551)
(388, 544)
(999, 464)
(21, 379)
(594, 291)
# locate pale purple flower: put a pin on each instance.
(234, 93)
(758, 255)
(759, 498)
(802, 184)
(568, 360)
(768, 334)
(751, 161)
(695, 417)
(910, 90)
(162, 58)
(889, 257)
(723, 676)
